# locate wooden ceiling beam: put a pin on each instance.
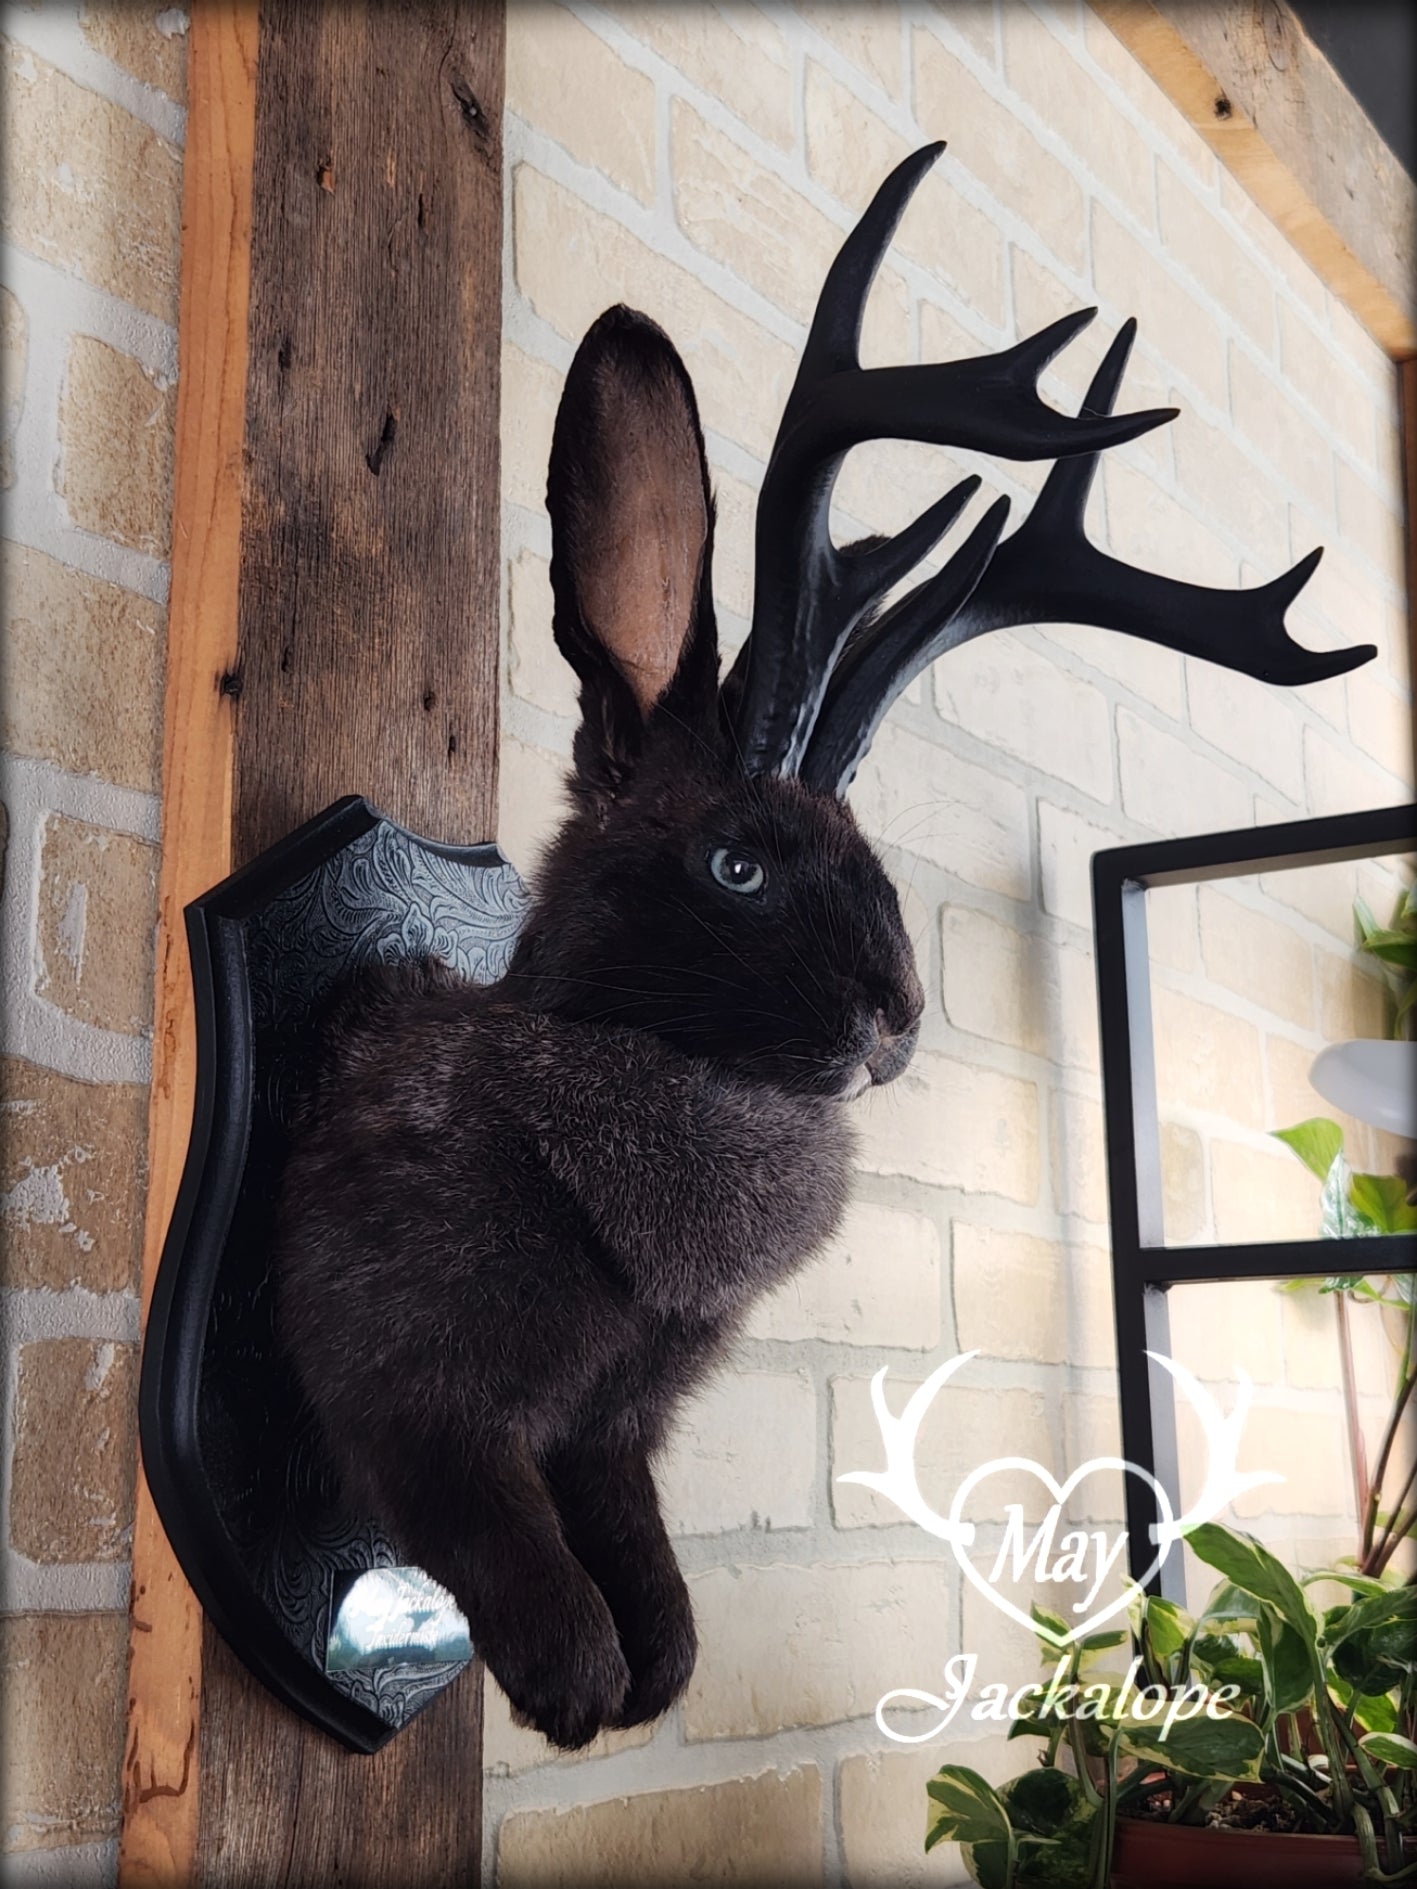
(1268, 103)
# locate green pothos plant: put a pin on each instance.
(1354, 1206)
(1357, 1206)
(1395, 948)
(1312, 1710)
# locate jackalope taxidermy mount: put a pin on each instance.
(524, 1219)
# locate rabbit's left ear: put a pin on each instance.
(632, 534)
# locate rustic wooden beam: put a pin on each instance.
(160, 1797)
(1407, 390)
(334, 629)
(367, 662)
(369, 638)
(1281, 120)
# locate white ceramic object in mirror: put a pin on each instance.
(1374, 1080)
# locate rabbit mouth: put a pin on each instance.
(886, 1060)
(890, 1057)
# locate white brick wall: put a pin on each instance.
(94, 132)
(730, 149)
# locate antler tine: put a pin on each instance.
(808, 596)
(1066, 498)
(836, 326)
(1048, 571)
(884, 657)
(872, 566)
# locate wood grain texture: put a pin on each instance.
(160, 1798)
(367, 663)
(369, 637)
(283, 1807)
(1277, 115)
(1407, 387)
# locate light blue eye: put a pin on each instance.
(735, 871)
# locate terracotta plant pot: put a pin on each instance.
(1175, 1856)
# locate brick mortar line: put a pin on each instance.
(33, 780)
(53, 33)
(30, 1026)
(996, 82)
(1371, 393)
(74, 1866)
(29, 1586)
(653, 229)
(524, 528)
(1227, 324)
(33, 1314)
(63, 1587)
(37, 517)
(1274, 371)
(527, 330)
(813, 44)
(86, 552)
(83, 307)
(1217, 995)
(662, 1766)
(1345, 330)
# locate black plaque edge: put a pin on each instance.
(192, 1253)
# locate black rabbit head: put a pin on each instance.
(711, 885)
(738, 916)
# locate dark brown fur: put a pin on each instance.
(525, 1220)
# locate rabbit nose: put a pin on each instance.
(893, 1050)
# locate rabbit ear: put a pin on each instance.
(632, 533)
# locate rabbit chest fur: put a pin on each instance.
(569, 1219)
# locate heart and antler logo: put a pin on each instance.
(1077, 1558)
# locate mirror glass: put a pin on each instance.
(1278, 1001)
(395, 1616)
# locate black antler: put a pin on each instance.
(808, 595)
(1049, 572)
(818, 672)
